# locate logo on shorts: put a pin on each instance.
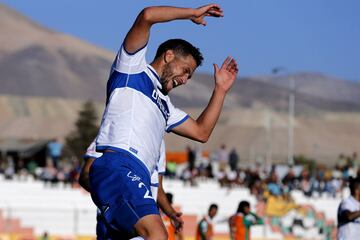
(133, 177)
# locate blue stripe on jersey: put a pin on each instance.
(140, 82)
(154, 184)
(177, 124)
(133, 53)
(120, 150)
(155, 74)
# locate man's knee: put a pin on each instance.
(151, 227)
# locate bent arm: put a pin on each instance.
(139, 33)
(166, 207)
(162, 200)
(201, 128)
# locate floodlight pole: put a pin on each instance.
(291, 120)
(291, 114)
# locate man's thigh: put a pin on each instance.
(121, 192)
(151, 226)
(105, 232)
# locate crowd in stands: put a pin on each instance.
(277, 179)
(55, 170)
(272, 188)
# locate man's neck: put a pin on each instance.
(157, 67)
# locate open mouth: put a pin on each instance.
(175, 83)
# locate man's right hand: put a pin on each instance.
(177, 221)
(212, 10)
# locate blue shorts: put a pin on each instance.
(105, 232)
(120, 188)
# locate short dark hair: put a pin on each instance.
(354, 183)
(242, 206)
(181, 47)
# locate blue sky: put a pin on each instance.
(303, 35)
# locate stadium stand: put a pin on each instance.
(34, 208)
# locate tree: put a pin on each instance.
(85, 131)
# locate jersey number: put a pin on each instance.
(147, 193)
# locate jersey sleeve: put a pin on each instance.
(176, 117)
(91, 151)
(161, 165)
(130, 63)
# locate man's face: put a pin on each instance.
(177, 72)
(246, 210)
(212, 212)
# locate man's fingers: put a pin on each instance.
(215, 12)
(214, 6)
(216, 68)
(232, 64)
(233, 67)
(226, 62)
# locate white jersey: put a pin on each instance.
(159, 169)
(137, 114)
(348, 230)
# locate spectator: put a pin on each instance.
(192, 171)
(49, 173)
(54, 151)
(223, 158)
(233, 159)
(10, 169)
(191, 158)
(349, 213)
(289, 180)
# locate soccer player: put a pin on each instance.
(205, 228)
(349, 213)
(138, 112)
(241, 222)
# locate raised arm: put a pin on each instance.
(139, 33)
(201, 128)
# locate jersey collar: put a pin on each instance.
(153, 71)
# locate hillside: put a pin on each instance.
(45, 76)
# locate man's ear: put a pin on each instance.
(169, 56)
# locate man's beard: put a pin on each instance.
(166, 77)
